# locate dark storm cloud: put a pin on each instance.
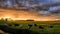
(41, 6)
(54, 8)
(52, 5)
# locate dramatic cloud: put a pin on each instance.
(54, 8)
(32, 9)
(47, 6)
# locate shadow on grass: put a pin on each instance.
(16, 31)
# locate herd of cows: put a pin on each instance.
(14, 28)
(9, 30)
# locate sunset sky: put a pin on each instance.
(46, 9)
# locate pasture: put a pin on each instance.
(41, 27)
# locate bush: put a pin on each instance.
(16, 31)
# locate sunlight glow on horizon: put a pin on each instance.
(24, 15)
(38, 19)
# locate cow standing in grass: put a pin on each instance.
(50, 26)
(35, 25)
(41, 27)
(29, 26)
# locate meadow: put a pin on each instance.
(30, 27)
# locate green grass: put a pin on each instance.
(45, 24)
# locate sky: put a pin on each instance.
(42, 7)
(52, 5)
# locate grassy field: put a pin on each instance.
(41, 27)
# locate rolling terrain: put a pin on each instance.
(30, 27)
